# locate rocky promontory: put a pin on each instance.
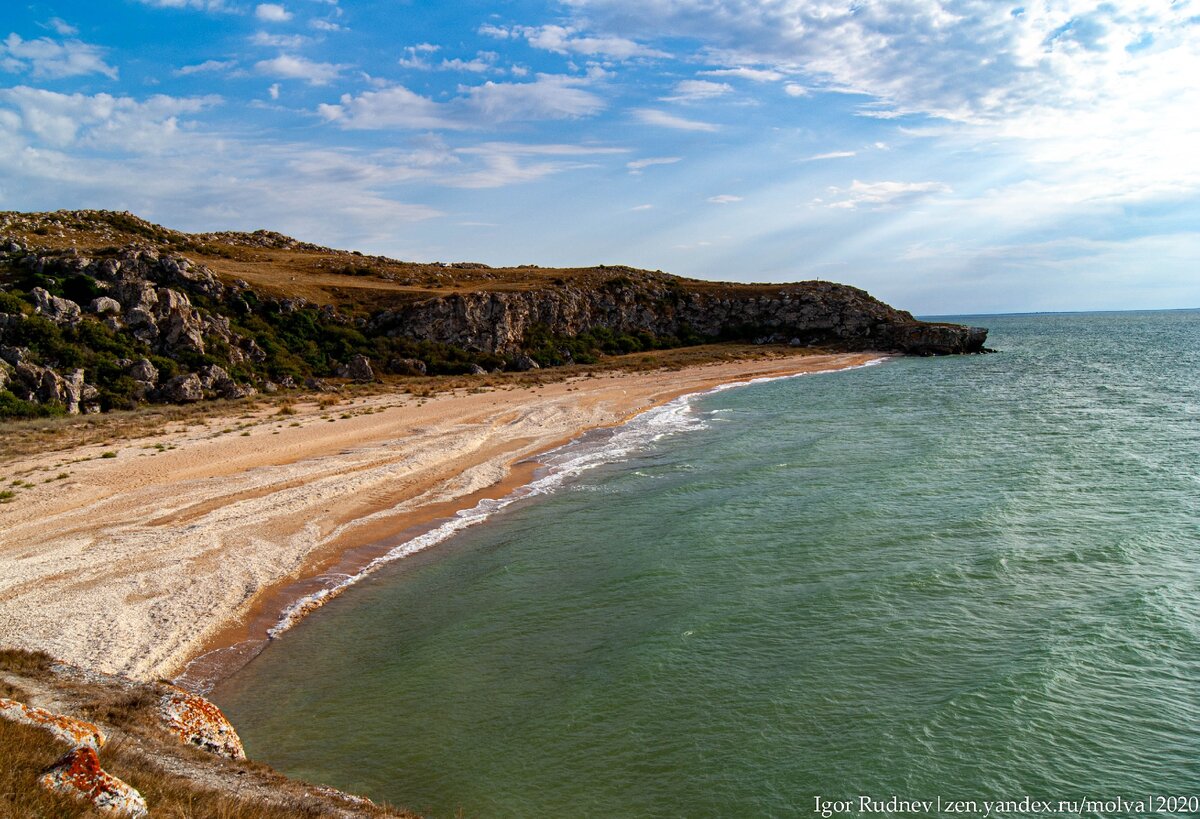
(102, 310)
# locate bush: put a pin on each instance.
(13, 407)
(11, 303)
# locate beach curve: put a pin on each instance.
(141, 563)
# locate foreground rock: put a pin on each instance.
(174, 744)
(74, 732)
(196, 721)
(78, 774)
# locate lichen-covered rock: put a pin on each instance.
(198, 722)
(79, 774)
(74, 732)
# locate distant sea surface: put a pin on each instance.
(967, 578)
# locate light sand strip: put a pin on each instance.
(137, 563)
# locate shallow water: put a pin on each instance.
(973, 578)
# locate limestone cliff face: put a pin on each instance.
(805, 313)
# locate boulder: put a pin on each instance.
(523, 363)
(73, 391)
(105, 306)
(196, 721)
(14, 355)
(143, 370)
(74, 732)
(6, 372)
(477, 370)
(407, 366)
(79, 774)
(60, 311)
(183, 389)
(358, 369)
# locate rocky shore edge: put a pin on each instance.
(75, 741)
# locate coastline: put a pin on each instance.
(192, 540)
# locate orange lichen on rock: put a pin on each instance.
(70, 730)
(199, 722)
(79, 774)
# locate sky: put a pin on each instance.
(972, 156)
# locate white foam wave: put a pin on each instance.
(562, 464)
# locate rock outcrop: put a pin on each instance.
(196, 721)
(79, 774)
(74, 732)
(804, 313)
(226, 340)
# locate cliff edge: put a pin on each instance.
(102, 310)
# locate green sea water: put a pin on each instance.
(971, 578)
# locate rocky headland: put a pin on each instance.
(102, 310)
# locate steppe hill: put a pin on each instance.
(102, 310)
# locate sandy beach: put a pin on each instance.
(140, 561)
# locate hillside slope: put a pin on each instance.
(102, 310)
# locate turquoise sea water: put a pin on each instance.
(969, 578)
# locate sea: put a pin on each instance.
(934, 585)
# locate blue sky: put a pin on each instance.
(970, 156)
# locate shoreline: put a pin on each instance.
(144, 565)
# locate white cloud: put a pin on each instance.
(793, 89)
(830, 155)
(638, 165)
(205, 67)
(415, 56)
(272, 13)
(273, 91)
(394, 107)
(743, 73)
(884, 194)
(203, 5)
(549, 97)
(642, 207)
(693, 90)
(62, 27)
(507, 163)
(650, 116)
(268, 40)
(326, 25)
(100, 120)
(724, 199)
(568, 40)
(484, 61)
(44, 57)
(289, 67)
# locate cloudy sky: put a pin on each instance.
(950, 157)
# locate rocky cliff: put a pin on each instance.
(807, 313)
(86, 325)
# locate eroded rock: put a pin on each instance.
(79, 774)
(196, 721)
(74, 732)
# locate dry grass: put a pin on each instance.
(177, 780)
(26, 752)
(34, 664)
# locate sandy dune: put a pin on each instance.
(136, 563)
